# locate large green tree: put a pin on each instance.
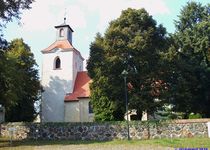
(132, 42)
(103, 107)
(21, 82)
(9, 9)
(190, 61)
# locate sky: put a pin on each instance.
(86, 18)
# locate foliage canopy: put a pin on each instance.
(173, 71)
(20, 82)
(191, 60)
(132, 42)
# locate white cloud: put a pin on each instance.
(37, 18)
(154, 7)
(47, 13)
(111, 9)
(75, 16)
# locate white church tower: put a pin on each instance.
(61, 63)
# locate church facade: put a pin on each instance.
(65, 84)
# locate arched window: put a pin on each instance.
(90, 108)
(57, 64)
(61, 33)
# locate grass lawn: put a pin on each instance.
(115, 144)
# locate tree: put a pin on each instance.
(132, 42)
(191, 60)
(11, 9)
(103, 107)
(96, 59)
(21, 82)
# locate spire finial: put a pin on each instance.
(64, 20)
(65, 17)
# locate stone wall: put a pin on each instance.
(106, 130)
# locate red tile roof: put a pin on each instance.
(65, 45)
(81, 87)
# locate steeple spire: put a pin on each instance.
(64, 20)
(65, 17)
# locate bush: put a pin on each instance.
(194, 116)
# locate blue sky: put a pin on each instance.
(86, 17)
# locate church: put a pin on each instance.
(65, 84)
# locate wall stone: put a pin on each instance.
(106, 130)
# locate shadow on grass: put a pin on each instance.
(26, 142)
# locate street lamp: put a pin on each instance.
(124, 74)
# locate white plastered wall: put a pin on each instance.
(67, 34)
(85, 116)
(56, 83)
(78, 111)
(77, 64)
(72, 112)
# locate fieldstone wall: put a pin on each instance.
(106, 130)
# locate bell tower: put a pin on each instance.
(61, 62)
(64, 32)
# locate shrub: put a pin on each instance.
(194, 116)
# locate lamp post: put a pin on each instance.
(125, 73)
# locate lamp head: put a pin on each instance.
(124, 73)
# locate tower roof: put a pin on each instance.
(64, 25)
(65, 45)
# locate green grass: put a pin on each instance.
(183, 142)
(178, 143)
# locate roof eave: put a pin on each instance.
(83, 97)
(71, 100)
(65, 25)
